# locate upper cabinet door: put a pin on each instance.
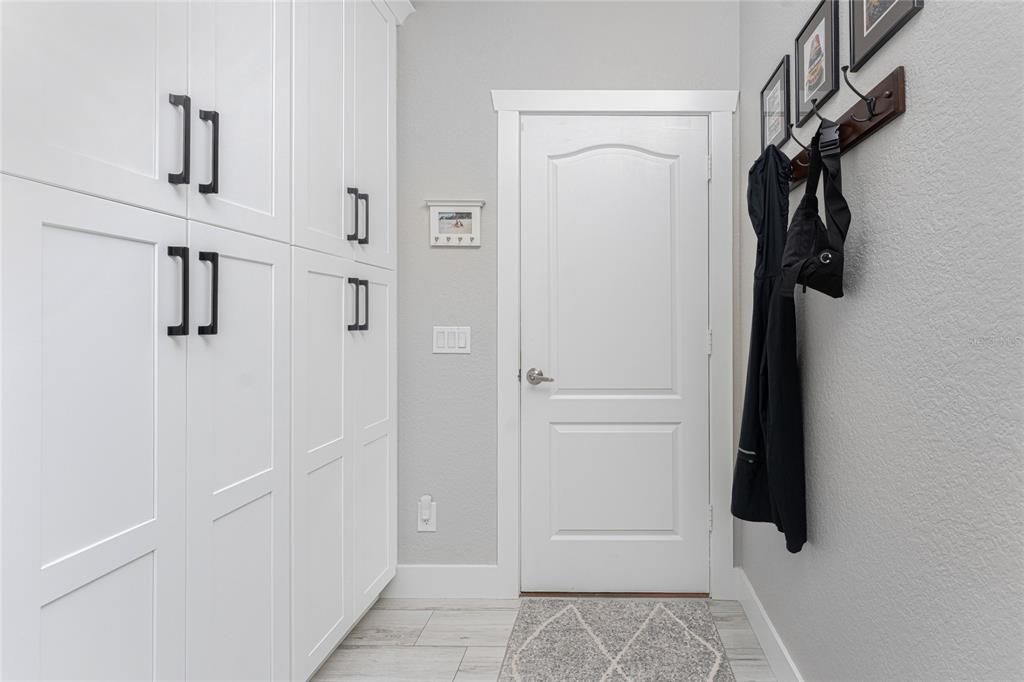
(239, 73)
(373, 105)
(323, 211)
(86, 97)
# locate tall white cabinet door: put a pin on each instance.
(373, 366)
(86, 91)
(240, 73)
(323, 320)
(93, 496)
(373, 106)
(238, 457)
(323, 209)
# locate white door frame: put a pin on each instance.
(720, 108)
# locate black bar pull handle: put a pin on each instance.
(214, 259)
(366, 218)
(365, 283)
(182, 253)
(185, 102)
(355, 325)
(214, 118)
(354, 234)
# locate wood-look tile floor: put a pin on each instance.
(463, 640)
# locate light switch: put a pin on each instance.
(452, 340)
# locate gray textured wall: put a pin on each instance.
(451, 55)
(914, 382)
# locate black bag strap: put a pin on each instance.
(824, 155)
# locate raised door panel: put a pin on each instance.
(322, 209)
(374, 469)
(323, 299)
(93, 573)
(373, 114)
(85, 97)
(238, 454)
(240, 67)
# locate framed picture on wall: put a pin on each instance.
(775, 106)
(455, 223)
(816, 71)
(873, 22)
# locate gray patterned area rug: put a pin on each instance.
(615, 640)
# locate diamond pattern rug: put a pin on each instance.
(615, 640)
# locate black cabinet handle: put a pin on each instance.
(182, 253)
(214, 259)
(365, 283)
(366, 218)
(185, 102)
(214, 118)
(355, 325)
(354, 234)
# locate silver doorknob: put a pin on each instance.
(536, 376)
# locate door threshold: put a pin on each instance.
(621, 595)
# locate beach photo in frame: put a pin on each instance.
(873, 22)
(775, 106)
(455, 223)
(816, 60)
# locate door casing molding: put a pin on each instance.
(501, 580)
(720, 108)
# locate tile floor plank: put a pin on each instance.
(380, 627)
(481, 664)
(750, 665)
(471, 627)
(446, 604)
(398, 663)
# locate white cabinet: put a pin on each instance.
(372, 359)
(239, 73)
(322, 215)
(373, 123)
(324, 294)
(93, 444)
(344, 133)
(85, 100)
(238, 457)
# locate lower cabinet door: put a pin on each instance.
(324, 293)
(92, 579)
(238, 457)
(372, 356)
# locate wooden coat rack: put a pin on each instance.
(890, 101)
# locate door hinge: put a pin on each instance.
(519, 375)
(708, 343)
(709, 167)
(711, 518)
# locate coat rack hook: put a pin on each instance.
(869, 102)
(801, 144)
(814, 110)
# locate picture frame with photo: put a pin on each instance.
(455, 223)
(816, 60)
(874, 22)
(775, 106)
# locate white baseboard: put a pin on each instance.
(452, 581)
(774, 649)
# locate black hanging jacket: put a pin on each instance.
(768, 483)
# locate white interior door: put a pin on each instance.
(85, 101)
(372, 103)
(323, 295)
(93, 573)
(240, 68)
(238, 441)
(614, 469)
(322, 66)
(373, 353)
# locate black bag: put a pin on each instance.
(814, 250)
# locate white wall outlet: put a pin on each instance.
(451, 340)
(426, 515)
